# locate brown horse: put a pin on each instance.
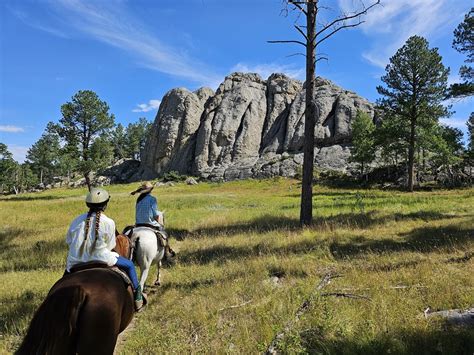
(83, 314)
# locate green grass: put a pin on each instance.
(239, 244)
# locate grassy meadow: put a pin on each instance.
(245, 267)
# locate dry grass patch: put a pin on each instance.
(245, 267)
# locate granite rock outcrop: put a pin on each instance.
(250, 127)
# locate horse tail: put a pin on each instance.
(53, 328)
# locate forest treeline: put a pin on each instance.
(408, 140)
(86, 139)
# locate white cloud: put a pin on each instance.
(32, 22)
(455, 122)
(11, 129)
(389, 25)
(111, 22)
(19, 152)
(266, 69)
(151, 105)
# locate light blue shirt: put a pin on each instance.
(146, 211)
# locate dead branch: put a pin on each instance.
(299, 42)
(235, 306)
(467, 256)
(297, 4)
(345, 18)
(300, 31)
(403, 287)
(272, 348)
(337, 30)
(295, 54)
(346, 295)
(321, 58)
(398, 287)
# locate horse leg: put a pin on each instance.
(144, 270)
(158, 275)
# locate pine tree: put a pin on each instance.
(119, 142)
(135, 138)
(8, 168)
(363, 140)
(84, 120)
(464, 43)
(470, 146)
(43, 156)
(416, 85)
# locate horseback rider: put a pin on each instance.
(148, 215)
(91, 237)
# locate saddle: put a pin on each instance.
(100, 265)
(161, 235)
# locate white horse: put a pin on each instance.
(147, 251)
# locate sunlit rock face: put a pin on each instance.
(250, 127)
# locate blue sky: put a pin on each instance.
(132, 52)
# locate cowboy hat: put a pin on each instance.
(144, 188)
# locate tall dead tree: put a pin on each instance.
(313, 38)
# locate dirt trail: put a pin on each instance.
(122, 338)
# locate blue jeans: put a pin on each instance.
(128, 266)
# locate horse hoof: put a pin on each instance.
(157, 283)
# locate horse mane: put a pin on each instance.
(44, 336)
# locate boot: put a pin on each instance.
(170, 256)
(170, 253)
(140, 299)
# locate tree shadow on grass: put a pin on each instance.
(425, 240)
(264, 224)
(445, 340)
(369, 219)
(221, 254)
(7, 235)
(31, 198)
(190, 285)
(33, 257)
(269, 223)
(20, 310)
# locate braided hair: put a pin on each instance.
(98, 211)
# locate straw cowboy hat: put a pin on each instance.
(144, 188)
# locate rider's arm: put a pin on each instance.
(110, 236)
(68, 237)
(154, 207)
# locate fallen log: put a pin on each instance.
(346, 295)
(453, 316)
(272, 348)
(235, 306)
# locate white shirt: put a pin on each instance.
(105, 241)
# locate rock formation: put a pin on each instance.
(249, 128)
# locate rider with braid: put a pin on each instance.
(91, 237)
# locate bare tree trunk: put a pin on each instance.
(423, 153)
(411, 157)
(88, 180)
(306, 213)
